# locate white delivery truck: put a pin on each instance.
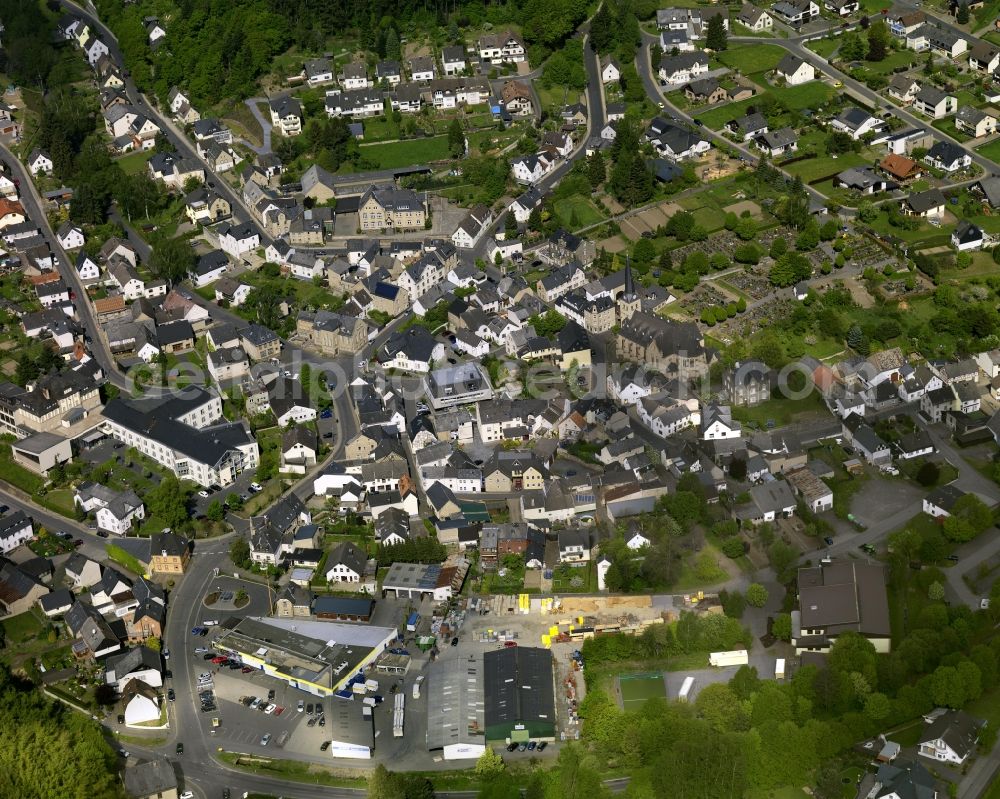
(685, 693)
(416, 686)
(779, 669)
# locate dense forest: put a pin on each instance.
(48, 750)
(218, 50)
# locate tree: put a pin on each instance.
(239, 553)
(535, 218)
(782, 627)
(168, 502)
(596, 170)
(172, 259)
(105, 695)
(757, 595)
(928, 474)
(215, 512)
(935, 592)
(877, 706)
(962, 15)
(878, 41)
(738, 469)
(510, 226)
(489, 764)
(716, 36)
(852, 47)
(456, 139)
(392, 48)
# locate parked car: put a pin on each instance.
(203, 494)
(171, 696)
(265, 739)
(301, 706)
(531, 746)
(255, 487)
(542, 745)
(511, 747)
(102, 533)
(247, 669)
(327, 414)
(324, 746)
(180, 748)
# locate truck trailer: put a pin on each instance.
(735, 657)
(685, 693)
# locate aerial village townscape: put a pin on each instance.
(556, 400)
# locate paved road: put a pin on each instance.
(35, 208)
(174, 135)
(651, 83)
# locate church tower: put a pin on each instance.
(628, 302)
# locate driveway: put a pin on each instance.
(265, 125)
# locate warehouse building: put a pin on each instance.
(519, 694)
(456, 708)
(318, 657)
(352, 735)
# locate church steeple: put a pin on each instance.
(628, 302)
(629, 286)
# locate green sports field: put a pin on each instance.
(636, 689)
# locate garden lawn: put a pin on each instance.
(407, 153)
(948, 126)
(17, 475)
(813, 169)
(797, 98)
(752, 58)
(991, 150)
(134, 163)
(60, 500)
(824, 47)
(898, 58)
(577, 212)
(22, 627)
(781, 411)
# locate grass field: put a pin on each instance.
(752, 58)
(406, 153)
(22, 627)
(577, 212)
(797, 98)
(134, 163)
(824, 47)
(636, 689)
(991, 150)
(824, 166)
(780, 410)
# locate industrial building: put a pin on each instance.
(416, 580)
(519, 694)
(456, 708)
(352, 734)
(318, 657)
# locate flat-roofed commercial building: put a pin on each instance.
(519, 694)
(352, 735)
(456, 708)
(318, 657)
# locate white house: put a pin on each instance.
(15, 530)
(795, 70)
(237, 240)
(115, 511)
(717, 423)
(610, 71)
(951, 737)
(86, 268)
(39, 162)
(855, 122)
(70, 236)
